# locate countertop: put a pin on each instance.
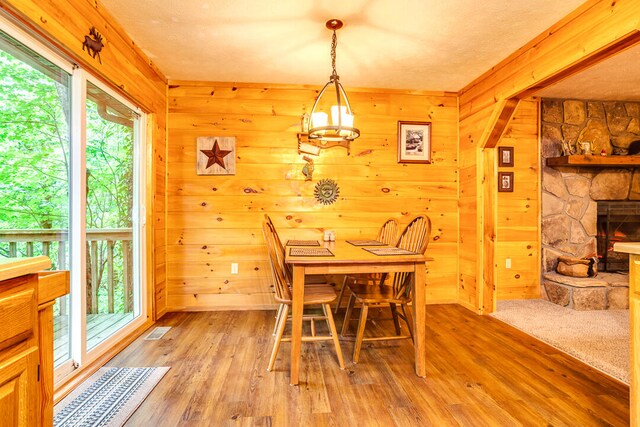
(15, 267)
(627, 247)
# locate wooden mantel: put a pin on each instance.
(595, 161)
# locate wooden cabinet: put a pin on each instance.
(26, 340)
(19, 353)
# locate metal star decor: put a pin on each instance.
(220, 159)
(216, 155)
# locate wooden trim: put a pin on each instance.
(172, 84)
(502, 115)
(487, 289)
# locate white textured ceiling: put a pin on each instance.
(406, 44)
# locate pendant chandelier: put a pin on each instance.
(341, 127)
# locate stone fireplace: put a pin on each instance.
(573, 196)
(570, 194)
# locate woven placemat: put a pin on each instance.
(310, 252)
(303, 243)
(365, 242)
(389, 251)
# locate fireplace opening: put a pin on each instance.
(616, 222)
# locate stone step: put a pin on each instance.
(607, 291)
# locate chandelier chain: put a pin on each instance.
(334, 44)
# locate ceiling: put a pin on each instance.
(400, 44)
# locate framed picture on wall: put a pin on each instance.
(505, 181)
(505, 156)
(414, 142)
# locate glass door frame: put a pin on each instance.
(79, 354)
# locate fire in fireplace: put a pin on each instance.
(616, 222)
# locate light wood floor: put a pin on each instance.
(480, 373)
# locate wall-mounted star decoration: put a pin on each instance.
(216, 155)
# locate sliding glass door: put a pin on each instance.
(71, 165)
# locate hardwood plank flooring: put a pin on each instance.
(480, 372)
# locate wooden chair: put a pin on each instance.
(394, 290)
(280, 248)
(313, 295)
(388, 235)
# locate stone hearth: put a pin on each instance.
(607, 291)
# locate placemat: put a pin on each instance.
(389, 251)
(365, 242)
(303, 243)
(310, 252)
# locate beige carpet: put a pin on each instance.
(599, 338)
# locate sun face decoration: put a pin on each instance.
(326, 191)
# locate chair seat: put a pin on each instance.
(376, 294)
(315, 294)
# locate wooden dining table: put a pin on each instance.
(350, 259)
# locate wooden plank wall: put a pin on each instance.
(518, 226)
(64, 24)
(213, 221)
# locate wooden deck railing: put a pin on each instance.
(108, 251)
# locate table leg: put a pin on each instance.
(419, 318)
(296, 321)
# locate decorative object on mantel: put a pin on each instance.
(505, 157)
(93, 43)
(307, 169)
(216, 155)
(567, 148)
(586, 148)
(414, 142)
(316, 129)
(505, 182)
(326, 191)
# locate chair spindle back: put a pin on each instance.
(276, 258)
(414, 238)
(388, 232)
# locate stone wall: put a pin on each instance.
(569, 194)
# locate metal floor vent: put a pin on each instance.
(157, 333)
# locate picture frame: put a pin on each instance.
(505, 156)
(414, 142)
(505, 182)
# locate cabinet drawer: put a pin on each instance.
(18, 311)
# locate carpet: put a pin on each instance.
(599, 338)
(107, 398)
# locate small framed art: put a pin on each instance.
(505, 156)
(505, 181)
(414, 142)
